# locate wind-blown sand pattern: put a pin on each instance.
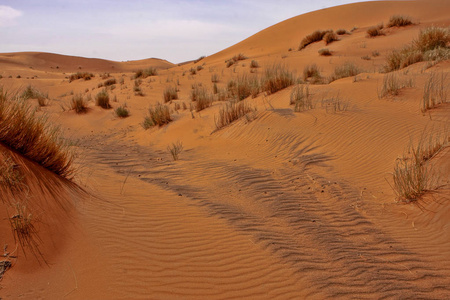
(279, 205)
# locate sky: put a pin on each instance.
(120, 30)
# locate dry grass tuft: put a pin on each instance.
(243, 86)
(32, 135)
(144, 73)
(157, 115)
(102, 99)
(78, 104)
(392, 84)
(334, 104)
(232, 112)
(302, 99)
(435, 91)
(312, 71)
(330, 37)
(277, 77)
(348, 69)
(254, 64)
(316, 36)
(10, 175)
(109, 82)
(375, 31)
(342, 32)
(122, 111)
(202, 98)
(175, 150)
(324, 52)
(81, 75)
(170, 93)
(235, 59)
(215, 78)
(399, 21)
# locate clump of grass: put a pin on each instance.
(193, 71)
(316, 36)
(302, 99)
(215, 78)
(144, 73)
(411, 176)
(231, 112)
(435, 91)
(277, 77)
(110, 81)
(158, 115)
(432, 44)
(243, 86)
(202, 98)
(399, 21)
(10, 175)
(199, 68)
(324, 52)
(122, 111)
(334, 104)
(348, 69)
(392, 84)
(375, 31)
(170, 93)
(78, 104)
(375, 53)
(32, 93)
(330, 37)
(33, 136)
(102, 99)
(366, 57)
(199, 59)
(235, 59)
(81, 75)
(342, 32)
(175, 149)
(312, 71)
(254, 64)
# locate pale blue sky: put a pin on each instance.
(175, 30)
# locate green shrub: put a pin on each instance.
(122, 111)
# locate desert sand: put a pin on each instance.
(277, 205)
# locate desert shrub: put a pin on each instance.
(175, 149)
(202, 98)
(122, 111)
(199, 59)
(102, 99)
(193, 71)
(431, 45)
(10, 175)
(277, 77)
(342, 32)
(392, 84)
(232, 112)
(199, 68)
(324, 52)
(435, 91)
(243, 86)
(316, 36)
(302, 99)
(138, 91)
(32, 93)
(81, 75)
(330, 37)
(157, 115)
(215, 78)
(33, 136)
(366, 57)
(375, 31)
(311, 71)
(399, 21)
(144, 73)
(110, 82)
(254, 64)
(78, 104)
(170, 93)
(345, 70)
(235, 59)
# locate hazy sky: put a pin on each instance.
(175, 30)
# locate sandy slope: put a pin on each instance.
(285, 205)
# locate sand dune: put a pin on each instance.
(277, 205)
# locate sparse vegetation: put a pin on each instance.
(254, 64)
(157, 115)
(78, 104)
(10, 175)
(81, 75)
(122, 111)
(324, 52)
(231, 112)
(144, 73)
(215, 78)
(31, 135)
(399, 21)
(392, 84)
(334, 104)
(435, 91)
(102, 99)
(432, 44)
(301, 98)
(109, 82)
(312, 72)
(202, 98)
(277, 77)
(375, 31)
(316, 36)
(330, 37)
(342, 31)
(348, 69)
(199, 59)
(235, 59)
(175, 149)
(170, 93)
